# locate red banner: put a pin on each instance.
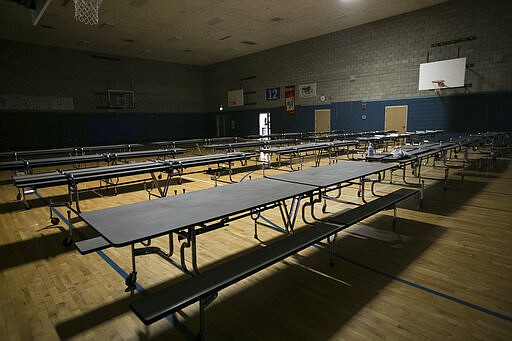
(289, 99)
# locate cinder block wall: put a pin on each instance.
(379, 60)
(169, 98)
(36, 70)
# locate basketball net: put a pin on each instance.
(86, 11)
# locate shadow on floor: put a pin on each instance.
(319, 299)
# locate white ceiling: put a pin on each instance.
(198, 32)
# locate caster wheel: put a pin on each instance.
(18, 196)
(54, 220)
(131, 279)
(159, 176)
(324, 208)
(67, 241)
(27, 206)
(358, 193)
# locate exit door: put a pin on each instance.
(264, 124)
(264, 130)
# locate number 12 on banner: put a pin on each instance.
(272, 94)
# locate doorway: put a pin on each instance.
(396, 118)
(264, 128)
(322, 120)
(223, 125)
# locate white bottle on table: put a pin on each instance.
(371, 150)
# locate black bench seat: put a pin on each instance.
(359, 213)
(157, 305)
(91, 245)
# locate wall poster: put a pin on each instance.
(289, 99)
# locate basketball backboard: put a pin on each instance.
(236, 98)
(443, 74)
(120, 99)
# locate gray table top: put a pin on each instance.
(252, 143)
(79, 175)
(111, 147)
(343, 143)
(143, 153)
(254, 136)
(131, 223)
(210, 158)
(333, 174)
(40, 151)
(221, 139)
(297, 148)
(179, 142)
(124, 169)
(233, 145)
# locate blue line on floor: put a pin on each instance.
(246, 175)
(171, 318)
(420, 287)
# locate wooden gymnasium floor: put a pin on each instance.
(448, 274)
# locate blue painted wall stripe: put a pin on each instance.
(475, 112)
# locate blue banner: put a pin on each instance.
(272, 94)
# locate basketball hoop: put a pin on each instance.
(440, 83)
(86, 11)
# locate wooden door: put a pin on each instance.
(396, 118)
(322, 120)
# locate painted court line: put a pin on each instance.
(422, 288)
